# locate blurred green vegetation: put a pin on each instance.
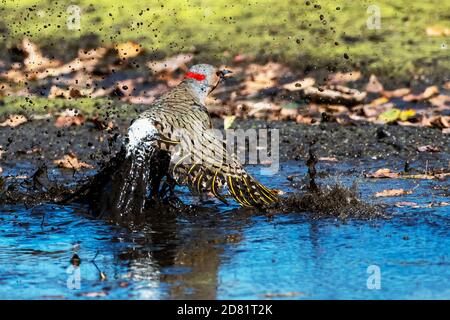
(304, 34)
(104, 108)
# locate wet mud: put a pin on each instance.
(38, 143)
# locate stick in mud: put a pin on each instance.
(311, 164)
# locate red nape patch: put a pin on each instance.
(196, 76)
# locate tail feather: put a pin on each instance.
(248, 192)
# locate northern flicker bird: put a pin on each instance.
(173, 141)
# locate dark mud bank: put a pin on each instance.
(38, 143)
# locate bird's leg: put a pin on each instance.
(168, 193)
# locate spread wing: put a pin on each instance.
(202, 162)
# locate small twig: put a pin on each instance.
(311, 164)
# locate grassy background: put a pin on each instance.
(288, 31)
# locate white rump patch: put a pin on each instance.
(140, 133)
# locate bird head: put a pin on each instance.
(204, 78)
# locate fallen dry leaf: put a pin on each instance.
(437, 31)
(94, 294)
(343, 77)
(440, 122)
(100, 124)
(403, 204)
(31, 151)
(427, 94)
(284, 294)
(441, 102)
(335, 95)
(383, 173)
(397, 93)
(69, 118)
(14, 120)
(438, 176)
(288, 113)
(392, 193)
(330, 159)
(299, 84)
(34, 60)
(395, 114)
(261, 109)
(304, 119)
(374, 85)
(128, 49)
(70, 161)
(428, 148)
(171, 64)
(69, 93)
(259, 77)
(228, 122)
(414, 205)
(377, 107)
(85, 62)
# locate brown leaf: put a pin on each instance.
(374, 85)
(427, 94)
(304, 119)
(329, 159)
(70, 161)
(438, 176)
(261, 109)
(31, 151)
(335, 95)
(342, 78)
(416, 205)
(392, 193)
(259, 77)
(284, 294)
(85, 62)
(128, 50)
(299, 84)
(100, 124)
(437, 31)
(34, 60)
(402, 204)
(428, 148)
(94, 294)
(69, 118)
(383, 173)
(441, 102)
(171, 64)
(440, 121)
(397, 93)
(288, 114)
(377, 107)
(69, 93)
(14, 121)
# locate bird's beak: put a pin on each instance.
(224, 73)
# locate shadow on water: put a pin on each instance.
(225, 252)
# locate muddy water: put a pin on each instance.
(220, 253)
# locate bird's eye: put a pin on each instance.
(219, 73)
